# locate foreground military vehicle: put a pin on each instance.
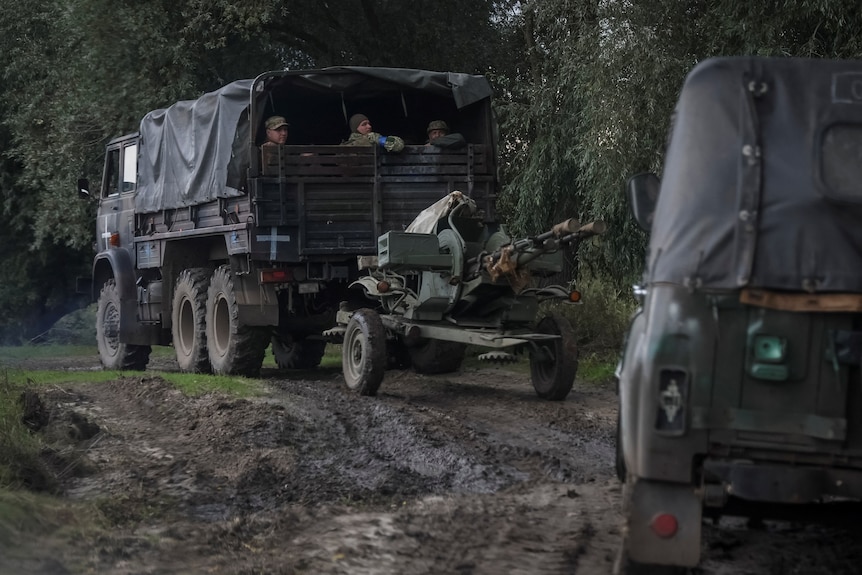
(211, 246)
(740, 378)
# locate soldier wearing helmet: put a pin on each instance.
(439, 136)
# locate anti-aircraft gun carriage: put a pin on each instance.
(451, 280)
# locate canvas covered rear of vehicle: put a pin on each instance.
(741, 375)
(340, 199)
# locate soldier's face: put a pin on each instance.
(434, 134)
(278, 135)
(364, 127)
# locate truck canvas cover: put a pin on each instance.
(772, 198)
(198, 150)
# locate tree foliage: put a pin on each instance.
(584, 90)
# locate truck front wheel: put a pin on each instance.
(188, 320)
(234, 348)
(112, 353)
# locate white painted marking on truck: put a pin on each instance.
(273, 238)
(671, 401)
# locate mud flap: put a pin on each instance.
(648, 499)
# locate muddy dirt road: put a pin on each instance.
(463, 474)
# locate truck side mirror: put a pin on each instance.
(642, 190)
(84, 188)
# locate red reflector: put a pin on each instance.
(382, 286)
(664, 525)
(574, 296)
(274, 276)
(115, 240)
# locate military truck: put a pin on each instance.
(740, 378)
(218, 247)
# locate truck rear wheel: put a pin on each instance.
(435, 356)
(188, 320)
(291, 353)
(112, 353)
(363, 354)
(234, 348)
(554, 364)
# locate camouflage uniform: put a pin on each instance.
(389, 143)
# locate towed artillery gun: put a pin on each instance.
(451, 280)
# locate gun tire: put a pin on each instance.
(553, 367)
(293, 353)
(188, 320)
(436, 356)
(233, 348)
(112, 353)
(363, 354)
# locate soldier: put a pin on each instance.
(362, 134)
(276, 131)
(438, 135)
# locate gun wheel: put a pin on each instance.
(554, 363)
(363, 354)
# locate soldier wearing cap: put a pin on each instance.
(362, 134)
(439, 136)
(276, 131)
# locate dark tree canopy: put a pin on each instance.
(584, 90)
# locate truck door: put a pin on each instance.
(116, 219)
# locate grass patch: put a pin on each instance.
(194, 384)
(22, 352)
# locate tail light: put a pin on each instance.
(664, 525)
(275, 276)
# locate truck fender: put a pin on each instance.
(116, 263)
(369, 284)
(629, 378)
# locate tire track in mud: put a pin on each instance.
(467, 473)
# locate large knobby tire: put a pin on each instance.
(291, 353)
(188, 320)
(435, 356)
(553, 367)
(112, 353)
(363, 354)
(234, 348)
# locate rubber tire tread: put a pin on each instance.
(554, 382)
(300, 354)
(436, 356)
(367, 323)
(194, 282)
(246, 345)
(128, 356)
